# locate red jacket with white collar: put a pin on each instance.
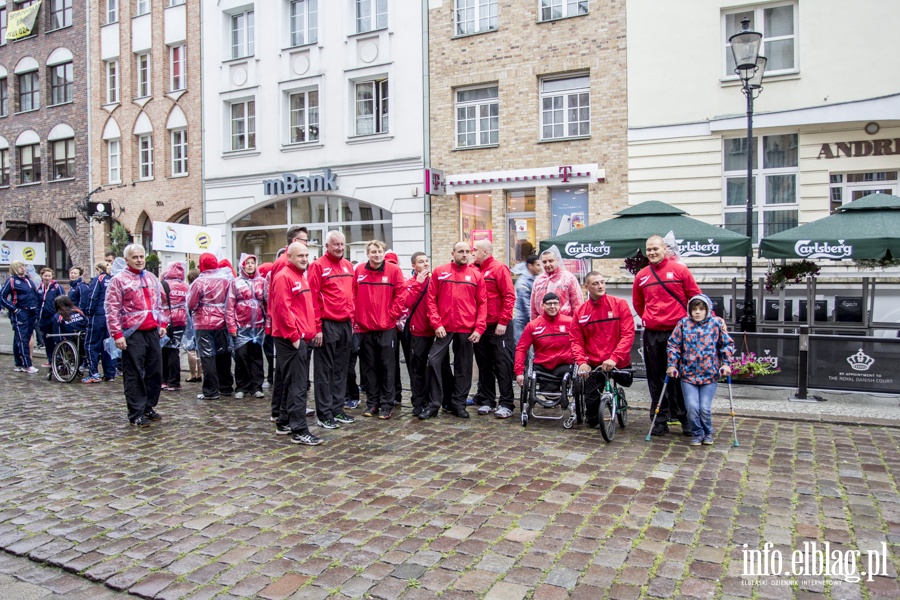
(457, 299)
(501, 295)
(418, 324)
(659, 309)
(550, 337)
(331, 282)
(603, 329)
(379, 296)
(291, 305)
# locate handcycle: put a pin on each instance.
(612, 406)
(548, 391)
(65, 363)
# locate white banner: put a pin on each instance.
(33, 253)
(190, 239)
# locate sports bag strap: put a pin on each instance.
(665, 287)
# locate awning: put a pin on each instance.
(21, 22)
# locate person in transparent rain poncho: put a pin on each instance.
(174, 303)
(245, 317)
(137, 324)
(206, 302)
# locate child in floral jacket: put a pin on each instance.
(700, 350)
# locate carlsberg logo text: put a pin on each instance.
(698, 248)
(579, 250)
(808, 249)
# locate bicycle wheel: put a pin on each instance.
(607, 417)
(622, 408)
(64, 362)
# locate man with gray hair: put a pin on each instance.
(558, 280)
(331, 283)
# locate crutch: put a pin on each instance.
(731, 405)
(662, 396)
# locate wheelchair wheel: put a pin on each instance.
(607, 420)
(622, 410)
(578, 398)
(568, 395)
(64, 362)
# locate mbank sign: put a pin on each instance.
(291, 184)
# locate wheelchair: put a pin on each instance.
(68, 356)
(544, 392)
(612, 404)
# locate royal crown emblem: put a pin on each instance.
(860, 361)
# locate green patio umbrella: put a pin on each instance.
(867, 228)
(627, 233)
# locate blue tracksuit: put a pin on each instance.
(48, 311)
(78, 289)
(95, 310)
(20, 297)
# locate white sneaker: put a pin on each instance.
(485, 410)
(258, 394)
(310, 411)
(503, 413)
(32, 370)
(238, 395)
(266, 385)
(18, 369)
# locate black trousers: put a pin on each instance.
(416, 353)
(248, 368)
(142, 372)
(655, 344)
(295, 369)
(269, 352)
(376, 366)
(171, 358)
(330, 368)
(277, 383)
(352, 384)
(494, 356)
(212, 346)
(462, 371)
(398, 383)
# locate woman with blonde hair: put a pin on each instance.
(21, 298)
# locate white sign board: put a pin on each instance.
(33, 253)
(189, 239)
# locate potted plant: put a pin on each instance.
(748, 365)
(779, 276)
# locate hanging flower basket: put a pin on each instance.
(748, 366)
(636, 263)
(781, 275)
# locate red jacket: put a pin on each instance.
(331, 282)
(550, 337)
(133, 303)
(173, 276)
(280, 263)
(457, 299)
(245, 306)
(379, 296)
(501, 295)
(602, 329)
(206, 299)
(292, 314)
(659, 310)
(418, 324)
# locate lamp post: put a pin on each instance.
(749, 66)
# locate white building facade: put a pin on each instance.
(313, 115)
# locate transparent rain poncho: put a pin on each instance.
(244, 312)
(31, 274)
(671, 244)
(204, 345)
(172, 273)
(132, 297)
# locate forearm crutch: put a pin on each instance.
(731, 406)
(662, 396)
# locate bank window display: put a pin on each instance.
(521, 231)
(477, 117)
(560, 9)
(475, 217)
(569, 212)
(775, 184)
(565, 107)
(778, 25)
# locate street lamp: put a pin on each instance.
(750, 67)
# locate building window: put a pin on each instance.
(304, 107)
(175, 2)
(60, 14)
(559, 9)
(30, 163)
(143, 7)
(243, 125)
(371, 15)
(114, 161)
(242, 34)
(112, 81)
(775, 184)
(4, 97)
(521, 225)
(143, 75)
(61, 83)
(29, 91)
(62, 157)
(475, 217)
(778, 24)
(177, 67)
(372, 107)
(304, 22)
(850, 187)
(477, 117)
(145, 156)
(4, 167)
(179, 152)
(3, 24)
(112, 11)
(565, 108)
(475, 16)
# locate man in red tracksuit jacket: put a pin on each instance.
(549, 334)
(602, 336)
(379, 290)
(494, 352)
(660, 294)
(294, 328)
(331, 281)
(457, 309)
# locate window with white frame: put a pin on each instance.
(243, 125)
(62, 158)
(371, 15)
(112, 81)
(175, 2)
(29, 163)
(774, 186)
(4, 23)
(304, 116)
(177, 62)
(4, 97)
(477, 117)
(61, 81)
(114, 161)
(29, 91)
(4, 167)
(565, 107)
(304, 19)
(778, 25)
(242, 35)
(179, 152)
(112, 11)
(143, 74)
(849, 187)
(145, 156)
(560, 9)
(142, 8)
(372, 107)
(475, 16)
(60, 14)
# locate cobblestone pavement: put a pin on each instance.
(210, 503)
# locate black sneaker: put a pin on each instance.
(659, 429)
(305, 439)
(153, 415)
(141, 422)
(328, 424)
(282, 430)
(385, 414)
(343, 418)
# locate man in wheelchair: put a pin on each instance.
(602, 334)
(549, 334)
